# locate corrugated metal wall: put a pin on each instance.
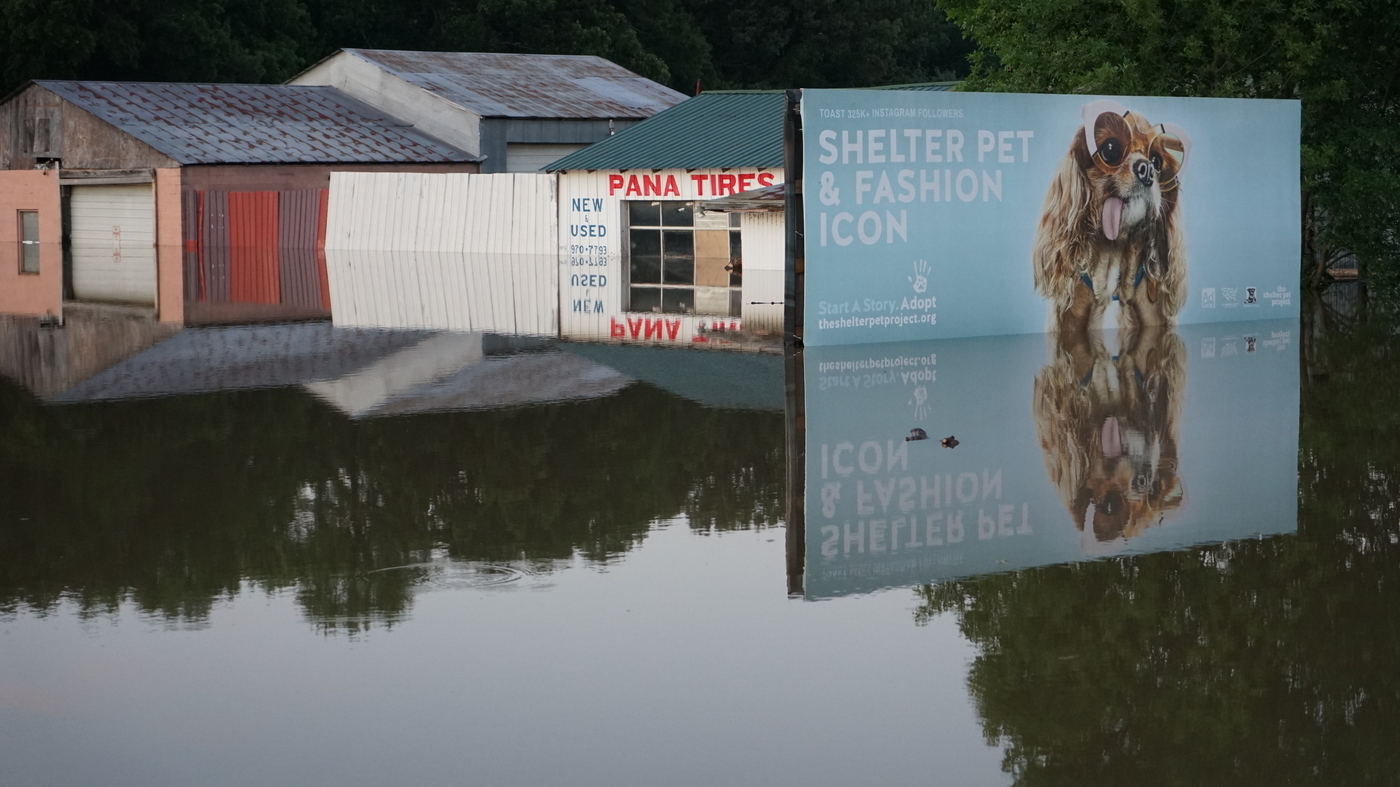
(460, 252)
(298, 236)
(214, 246)
(261, 247)
(252, 222)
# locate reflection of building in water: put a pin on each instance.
(47, 358)
(1107, 426)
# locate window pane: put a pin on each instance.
(711, 220)
(678, 258)
(676, 214)
(677, 301)
(30, 263)
(645, 299)
(29, 241)
(734, 220)
(644, 214)
(712, 300)
(29, 226)
(736, 303)
(736, 261)
(645, 256)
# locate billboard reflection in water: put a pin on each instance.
(1064, 447)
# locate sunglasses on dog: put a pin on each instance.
(1112, 133)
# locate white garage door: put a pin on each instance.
(113, 236)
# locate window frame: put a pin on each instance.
(25, 244)
(662, 286)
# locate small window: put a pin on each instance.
(29, 241)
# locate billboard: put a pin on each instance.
(943, 459)
(933, 215)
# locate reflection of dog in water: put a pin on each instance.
(1111, 226)
(1108, 430)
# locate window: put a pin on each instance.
(683, 261)
(29, 241)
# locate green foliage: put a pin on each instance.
(172, 40)
(1257, 662)
(1338, 56)
(677, 42)
(830, 43)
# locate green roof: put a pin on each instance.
(722, 128)
(716, 129)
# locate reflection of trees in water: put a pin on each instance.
(174, 503)
(1253, 662)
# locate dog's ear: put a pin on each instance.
(1066, 226)
(1171, 250)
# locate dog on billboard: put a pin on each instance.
(1111, 225)
(1107, 427)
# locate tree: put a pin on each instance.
(1337, 56)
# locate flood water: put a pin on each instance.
(303, 555)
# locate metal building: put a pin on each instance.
(198, 202)
(641, 257)
(518, 112)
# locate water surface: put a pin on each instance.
(303, 555)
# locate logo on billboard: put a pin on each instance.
(1208, 347)
(1231, 296)
(1208, 298)
(1279, 296)
(920, 403)
(1251, 296)
(920, 277)
(1249, 344)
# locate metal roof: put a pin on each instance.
(715, 129)
(576, 87)
(255, 124)
(765, 198)
(721, 128)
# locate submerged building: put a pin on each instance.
(195, 202)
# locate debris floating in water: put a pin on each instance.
(916, 434)
(949, 442)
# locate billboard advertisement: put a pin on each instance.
(935, 460)
(932, 215)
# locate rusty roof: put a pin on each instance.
(255, 124)
(765, 198)
(577, 87)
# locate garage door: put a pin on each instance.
(113, 235)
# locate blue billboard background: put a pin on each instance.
(932, 237)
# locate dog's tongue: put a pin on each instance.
(1111, 438)
(1112, 217)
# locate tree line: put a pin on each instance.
(715, 43)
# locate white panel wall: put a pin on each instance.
(765, 249)
(467, 252)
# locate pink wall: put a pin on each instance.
(31, 294)
(170, 274)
